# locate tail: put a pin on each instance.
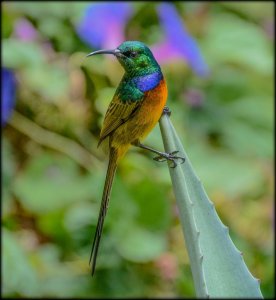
(112, 166)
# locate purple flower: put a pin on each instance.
(8, 94)
(103, 24)
(178, 44)
(269, 28)
(194, 98)
(24, 30)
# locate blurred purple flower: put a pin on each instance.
(269, 28)
(178, 44)
(24, 30)
(8, 94)
(194, 97)
(103, 24)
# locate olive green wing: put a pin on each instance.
(117, 114)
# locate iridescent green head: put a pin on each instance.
(135, 57)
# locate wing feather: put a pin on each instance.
(118, 113)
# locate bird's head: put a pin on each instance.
(135, 57)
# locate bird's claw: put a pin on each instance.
(169, 156)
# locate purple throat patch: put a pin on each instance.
(148, 82)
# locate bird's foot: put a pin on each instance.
(166, 111)
(169, 156)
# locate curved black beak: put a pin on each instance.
(114, 52)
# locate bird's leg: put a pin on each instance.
(162, 156)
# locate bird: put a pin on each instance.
(135, 109)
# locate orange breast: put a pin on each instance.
(152, 108)
(146, 118)
(143, 121)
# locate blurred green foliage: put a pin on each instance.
(51, 191)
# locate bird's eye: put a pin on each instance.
(131, 54)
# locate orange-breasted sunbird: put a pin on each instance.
(135, 109)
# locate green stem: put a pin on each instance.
(55, 141)
(217, 266)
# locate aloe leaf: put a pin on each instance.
(218, 267)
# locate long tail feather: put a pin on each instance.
(112, 166)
